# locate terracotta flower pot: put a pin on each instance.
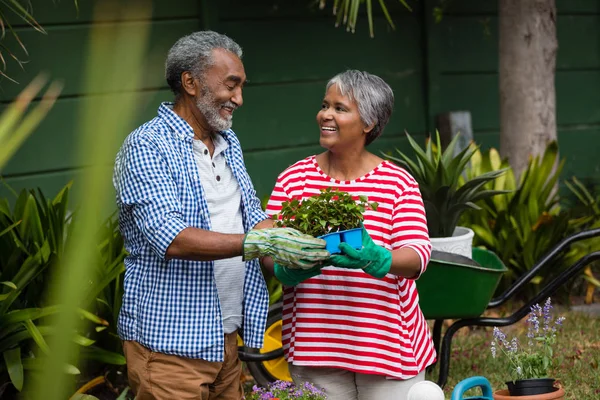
(504, 395)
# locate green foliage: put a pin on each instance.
(19, 10)
(584, 215)
(36, 231)
(445, 195)
(346, 12)
(332, 210)
(525, 224)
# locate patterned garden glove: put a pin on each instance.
(292, 277)
(287, 247)
(373, 259)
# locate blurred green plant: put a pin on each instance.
(35, 231)
(446, 195)
(16, 124)
(102, 122)
(104, 295)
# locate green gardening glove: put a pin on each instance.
(373, 259)
(292, 277)
(287, 247)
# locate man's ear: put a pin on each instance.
(189, 84)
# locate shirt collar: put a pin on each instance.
(179, 125)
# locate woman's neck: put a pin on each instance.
(349, 166)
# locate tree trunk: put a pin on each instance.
(527, 53)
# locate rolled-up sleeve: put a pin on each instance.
(254, 207)
(145, 186)
(409, 224)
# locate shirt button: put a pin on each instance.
(205, 151)
(218, 178)
(214, 166)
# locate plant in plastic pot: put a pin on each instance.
(529, 363)
(446, 193)
(333, 215)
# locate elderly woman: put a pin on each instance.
(354, 327)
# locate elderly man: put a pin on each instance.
(194, 230)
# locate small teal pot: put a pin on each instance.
(351, 236)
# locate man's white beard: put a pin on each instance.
(207, 104)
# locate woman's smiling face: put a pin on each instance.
(339, 121)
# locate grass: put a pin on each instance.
(577, 355)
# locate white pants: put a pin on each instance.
(340, 384)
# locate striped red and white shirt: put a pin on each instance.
(345, 318)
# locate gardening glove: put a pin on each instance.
(373, 259)
(292, 277)
(287, 247)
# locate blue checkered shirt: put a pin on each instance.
(172, 306)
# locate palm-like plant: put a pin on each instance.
(346, 12)
(36, 230)
(445, 194)
(19, 10)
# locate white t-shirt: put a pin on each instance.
(223, 197)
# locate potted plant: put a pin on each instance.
(333, 215)
(284, 390)
(529, 364)
(446, 193)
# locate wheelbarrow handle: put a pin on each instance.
(259, 357)
(534, 271)
(467, 384)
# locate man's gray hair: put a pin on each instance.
(374, 98)
(193, 53)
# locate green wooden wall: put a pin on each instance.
(462, 56)
(291, 49)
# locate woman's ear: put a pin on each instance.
(188, 83)
(369, 128)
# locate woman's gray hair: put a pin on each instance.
(374, 98)
(194, 53)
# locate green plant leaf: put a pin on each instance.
(37, 336)
(101, 355)
(12, 286)
(24, 314)
(9, 228)
(37, 364)
(14, 366)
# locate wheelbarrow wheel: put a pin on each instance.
(269, 371)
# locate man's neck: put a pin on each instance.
(189, 112)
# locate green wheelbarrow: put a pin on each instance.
(456, 287)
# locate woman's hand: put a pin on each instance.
(373, 259)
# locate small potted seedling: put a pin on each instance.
(332, 215)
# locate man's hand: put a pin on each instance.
(373, 259)
(292, 277)
(288, 247)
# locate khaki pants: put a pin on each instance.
(161, 376)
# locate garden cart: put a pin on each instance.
(443, 295)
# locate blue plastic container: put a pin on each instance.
(351, 236)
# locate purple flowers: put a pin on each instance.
(285, 390)
(534, 360)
